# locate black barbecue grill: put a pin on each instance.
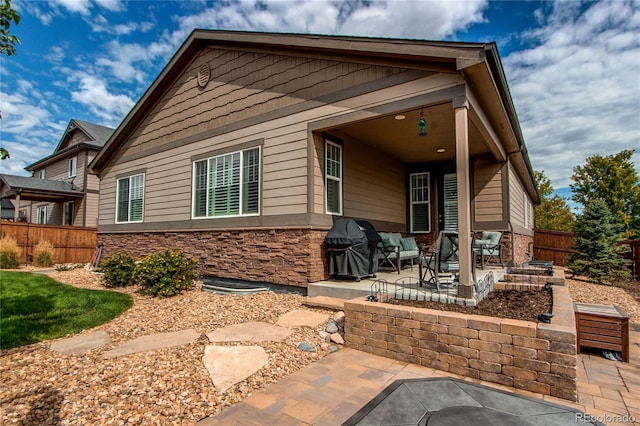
(352, 249)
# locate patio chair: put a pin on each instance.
(489, 247)
(442, 266)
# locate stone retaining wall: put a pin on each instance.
(536, 357)
(291, 256)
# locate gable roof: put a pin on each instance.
(34, 188)
(479, 61)
(97, 134)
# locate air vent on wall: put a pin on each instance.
(203, 75)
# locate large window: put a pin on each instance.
(333, 177)
(42, 215)
(420, 204)
(130, 199)
(73, 166)
(227, 185)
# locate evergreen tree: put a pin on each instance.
(597, 235)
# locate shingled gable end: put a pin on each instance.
(248, 146)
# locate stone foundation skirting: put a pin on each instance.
(278, 256)
(535, 357)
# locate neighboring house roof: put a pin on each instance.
(97, 134)
(31, 188)
(7, 209)
(480, 63)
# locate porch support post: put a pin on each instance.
(16, 212)
(461, 111)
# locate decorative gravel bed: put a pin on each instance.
(171, 386)
(166, 386)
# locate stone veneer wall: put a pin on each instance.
(280, 256)
(523, 248)
(536, 357)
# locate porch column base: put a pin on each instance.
(465, 291)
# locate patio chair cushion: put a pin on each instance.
(408, 243)
(389, 239)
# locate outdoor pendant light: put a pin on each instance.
(422, 125)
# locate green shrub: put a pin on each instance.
(117, 270)
(43, 254)
(9, 253)
(166, 273)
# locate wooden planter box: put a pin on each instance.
(602, 327)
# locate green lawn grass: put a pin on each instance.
(34, 308)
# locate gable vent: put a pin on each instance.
(203, 75)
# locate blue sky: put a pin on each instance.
(573, 67)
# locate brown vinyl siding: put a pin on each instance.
(488, 191)
(244, 85)
(77, 137)
(91, 212)
(178, 130)
(373, 185)
(516, 204)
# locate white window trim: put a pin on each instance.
(144, 182)
(193, 186)
(411, 202)
(73, 166)
(42, 174)
(327, 178)
(42, 209)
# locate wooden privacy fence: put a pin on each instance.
(71, 244)
(557, 245)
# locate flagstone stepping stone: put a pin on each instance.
(302, 318)
(253, 331)
(81, 343)
(154, 341)
(228, 365)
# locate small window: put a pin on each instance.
(42, 215)
(41, 174)
(420, 209)
(73, 166)
(333, 177)
(130, 199)
(227, 185)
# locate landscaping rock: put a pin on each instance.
(307, 347)
(228, 365)
(337, 338)
(253, 331)
(331, 327)
(338, 317)
(302, 318)
(81, 343)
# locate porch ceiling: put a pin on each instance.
(399, 138)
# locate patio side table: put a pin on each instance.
(602, 327)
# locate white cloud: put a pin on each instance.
(112, 5)
(83, 7)
(121, 60)
(27, 127)
(94, 94)
(411, 19)
(577, 88)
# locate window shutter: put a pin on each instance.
(450, 202)
(251, 181)
(137, 194)
(123, 200)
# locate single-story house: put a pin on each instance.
(248, 146)
(60, 191)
